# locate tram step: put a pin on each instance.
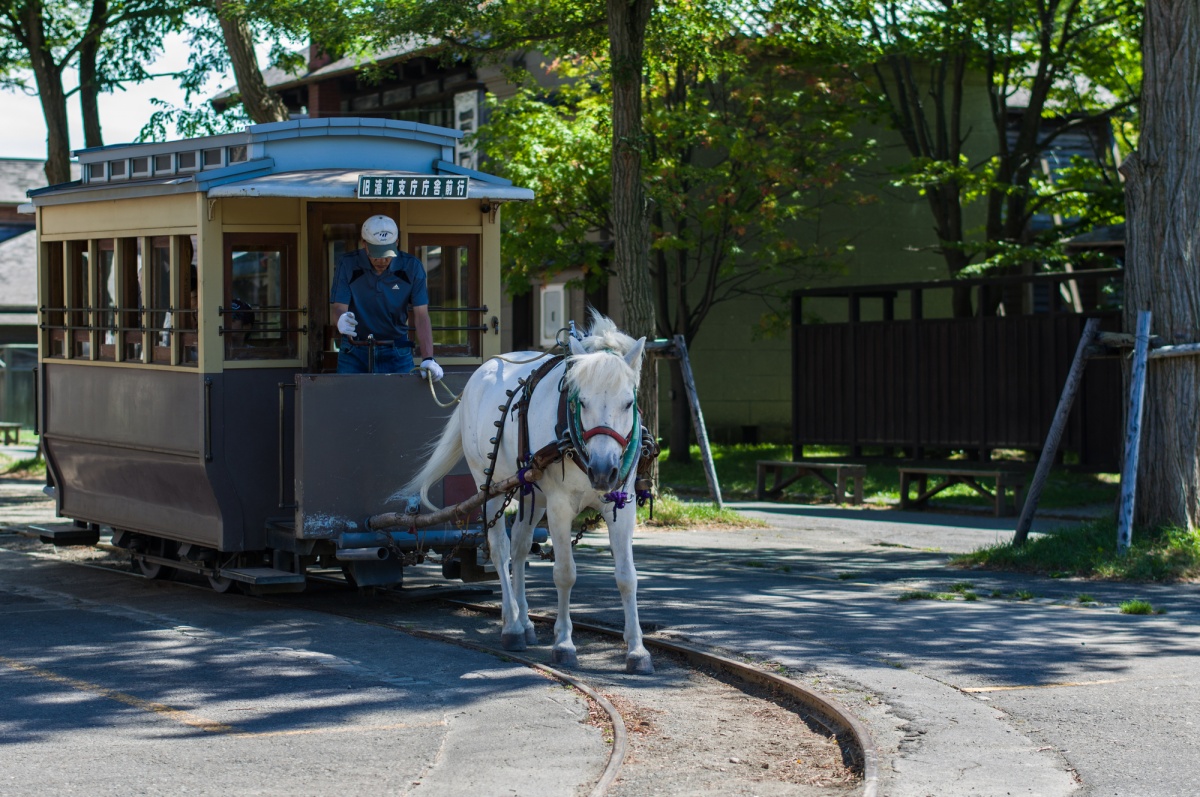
(265, 577)
(67, 534)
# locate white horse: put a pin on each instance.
(601, 379)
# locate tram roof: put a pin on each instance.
(307, 158)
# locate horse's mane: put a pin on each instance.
(590, 372)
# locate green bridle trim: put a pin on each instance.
(633, 445)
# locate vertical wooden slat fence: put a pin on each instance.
(917, 386)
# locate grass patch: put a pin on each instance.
(1090, 551)
(1085, 598)
(29, 467)
(735, 465)
(926, 595)
(1136, 607)
(671, 512)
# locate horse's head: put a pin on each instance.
(602, 404)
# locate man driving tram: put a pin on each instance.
(372, 289)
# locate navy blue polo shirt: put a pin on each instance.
(380, 301)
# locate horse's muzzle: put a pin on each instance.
(604, 472)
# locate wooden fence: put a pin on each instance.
(920, 386)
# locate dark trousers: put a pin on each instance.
(388, 360)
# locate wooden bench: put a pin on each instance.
(1003, 480)
(842, 473)
(12, 432)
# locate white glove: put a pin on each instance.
(432, 369)
(347, 323)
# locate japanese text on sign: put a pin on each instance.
(408, 186)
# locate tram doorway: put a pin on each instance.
(452, 267)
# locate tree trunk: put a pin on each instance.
(53, 99)
(89, 84)
(681, 416)
(1162, 272)
(262, 105)
(627, 20)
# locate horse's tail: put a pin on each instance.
(442, 457)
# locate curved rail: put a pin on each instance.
(823, 708)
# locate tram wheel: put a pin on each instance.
(157, 570)
(152, 569)
(221, 584)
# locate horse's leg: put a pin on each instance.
(620, 541)
(522, 539)
(512, 633)
(559, 517)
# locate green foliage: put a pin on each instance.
(1049, 67)
(741, 140)
(1090, 550)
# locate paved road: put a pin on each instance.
(113, 686)
(991, 697)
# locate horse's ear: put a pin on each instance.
(575, 346)
(634, 356)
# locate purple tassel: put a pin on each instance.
(618, 499)
(527, 488)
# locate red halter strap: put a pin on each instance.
(613, 433)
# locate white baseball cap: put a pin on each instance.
(380, 235)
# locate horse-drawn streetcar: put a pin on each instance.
(187, 394)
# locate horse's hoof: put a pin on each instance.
(564, 656)
(531, 636)
(512, 641)
(639, 664)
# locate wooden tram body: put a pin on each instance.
(187, 394)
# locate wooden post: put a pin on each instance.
(1054, 436)
(1133, 432)
(689, 384)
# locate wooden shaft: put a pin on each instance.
(459, 511)
(1054, 436)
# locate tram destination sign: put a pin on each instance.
(411, 186)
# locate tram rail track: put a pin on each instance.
(839, 723)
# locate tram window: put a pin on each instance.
(212, 158)
(79, 304)
(260, 274)
(236, 154)
(129, 300)
(164, 164)
(54, 341)
(95, 172)
(186, 318)
(156, 288)
(106, 287)
(116, 169)
(452, 271)
(140, 167)
(112, 299)
(187, 161)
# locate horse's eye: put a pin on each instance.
(582, 405)
(629, 405)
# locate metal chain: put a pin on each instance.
(588, 525)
